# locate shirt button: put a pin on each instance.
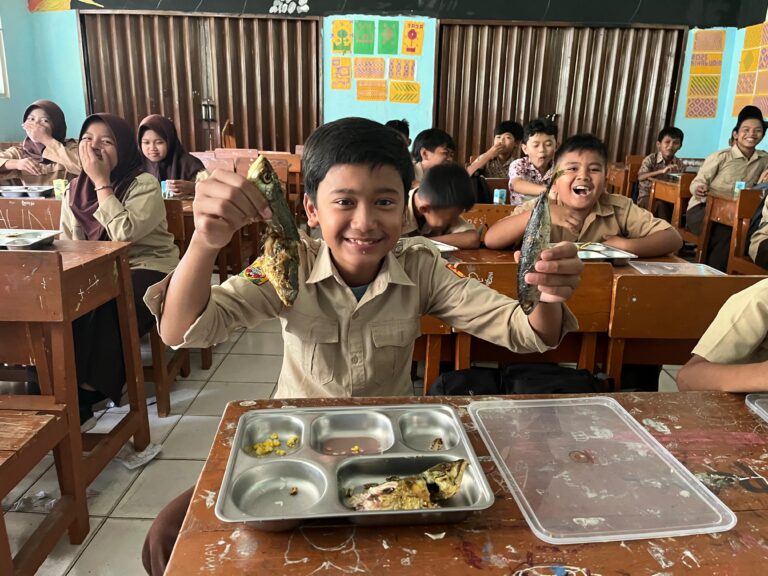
(354, 359)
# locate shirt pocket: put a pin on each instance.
(316, 342)
(392, 348)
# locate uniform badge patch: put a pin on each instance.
(455, 270)
(254, 274)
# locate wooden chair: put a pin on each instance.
(431, 348)
(208, 154)
(213, 163)
(664, 316)
(738, 260)
(678, 194)
(235, 153)
(633, 163)
(228, 138)
(494, 183)
(616, 179)
(720, 209)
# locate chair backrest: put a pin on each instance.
(174, 215)
(294, 160)
(494, 183)
(228, 139)
(280, 167)
(299, 149)
(481, 215)
(30, 213)
(749, 201)
(204, 155)
(235, 152)
(634, 159)
(212, 164)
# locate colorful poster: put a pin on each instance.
(369, 67)
(704, 79)
(364, 36)
(752, 81)
(402, 69)
(372, 90)
(341, 73)
(57, 5)
(388, 36)
(404, 92)
(413, 38)
(341, 37)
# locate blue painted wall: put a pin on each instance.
(43, 55)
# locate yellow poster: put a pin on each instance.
(404, 92)
(369, 67)
(413, 38)
(341, 37)
(402, 69)
(372, 90)
(341, 73)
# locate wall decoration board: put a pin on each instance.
(382, 68)
(752, 83)
(705, 73)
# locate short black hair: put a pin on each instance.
(401, 126)
(353, 141)
(540, 126)
(514, 128)
(431, 138)
(672, 132)
(581, 143)
(447, 186)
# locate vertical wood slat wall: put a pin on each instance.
(262, 73)
(618, 83)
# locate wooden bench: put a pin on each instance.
(738, 260)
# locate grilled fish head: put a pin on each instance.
(444, 479)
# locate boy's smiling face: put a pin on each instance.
(583, 179)
(360, 213)
(540, 149)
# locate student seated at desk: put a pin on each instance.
(114, 199)
(581, 211)
(431, 147)
(531, 174)
(663, 161)
(732, 355)
(434, 209)
(720, 172)
(362, 290)
(46, 154)
(164, 156)
(495, 162)
(758, 243)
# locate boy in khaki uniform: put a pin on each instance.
(362, 290)
(582, 212)
(732, 355)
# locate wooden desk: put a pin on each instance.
(30, 213)
(48, 290)
(713, 434)
(675, 191)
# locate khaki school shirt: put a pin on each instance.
(612, 215)
(411, 225)
(138, 219)
(761, 234)
(65, 164)
(721, 170)
(739, 332)
(336, 346)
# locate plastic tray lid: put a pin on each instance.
(758, 403)
(583, 470)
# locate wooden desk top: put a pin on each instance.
(713, 434)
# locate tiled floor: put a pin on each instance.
(122, 503)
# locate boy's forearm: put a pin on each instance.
(468, 240)
(700, 374)
(478, 163)
(507, 231)
(547, 321)
(188, 292)
(522, 186)
(657, 244)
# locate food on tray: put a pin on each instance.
(437, 444)
(292, 441)
(424, 490)
(293, 491)
(273, 445)
(355, 449)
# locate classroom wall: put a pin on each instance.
(43, 55)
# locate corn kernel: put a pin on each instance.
(292, 441)
(280, 452)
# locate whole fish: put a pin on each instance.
(280, 261)
(535, 241)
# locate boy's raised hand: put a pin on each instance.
(564, 217)
(558, 273)
(224, 203)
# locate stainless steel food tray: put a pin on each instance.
(20, 239)
(597, 252)
(395, 440)
(22, 191)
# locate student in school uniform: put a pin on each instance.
(663, 161)
(732, 355)
(434, 209)
(114, 199)
(431, 147)
(720, 172)
(531, 174)
(758, 244)
(362, 289)
(164, 156)
(495, 162)
(45, 154)
(403, 128)
(581, 211)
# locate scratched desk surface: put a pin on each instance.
(713, 434)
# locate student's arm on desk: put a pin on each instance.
(700, 374)
(507, 231)
(469, 240)
(657, 244)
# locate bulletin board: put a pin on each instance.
(705, 77)
(382, 68)
(752, 84)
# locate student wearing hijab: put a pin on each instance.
(114, 199)
(164, 156)
(46, 154)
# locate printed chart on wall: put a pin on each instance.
(752, 85)
(706, 66)
(381, 68)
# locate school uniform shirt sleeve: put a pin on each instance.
(638, 222)
(761, 234)
(70, 227)
(704, 176)
(64, 154)
(647, 164)
(739, 332)
(12, 153)
(140, 212)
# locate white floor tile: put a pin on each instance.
(115, 550)
(667, 383)
(20, 526)
(159, 428)
(259, 343)
(197, 373)
(159, 483)
(248, 368)
(191, 439)
(226, 347)
(183, 392)
(268, 326)
(33, 476)
(214, 397)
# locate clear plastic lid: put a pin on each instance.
(583, 470)
(758, 403)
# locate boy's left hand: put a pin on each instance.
(558, 273)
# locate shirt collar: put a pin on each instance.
(737, 153)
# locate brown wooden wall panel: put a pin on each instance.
(618, 83)
(261, 73)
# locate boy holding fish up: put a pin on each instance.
(582, 212)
